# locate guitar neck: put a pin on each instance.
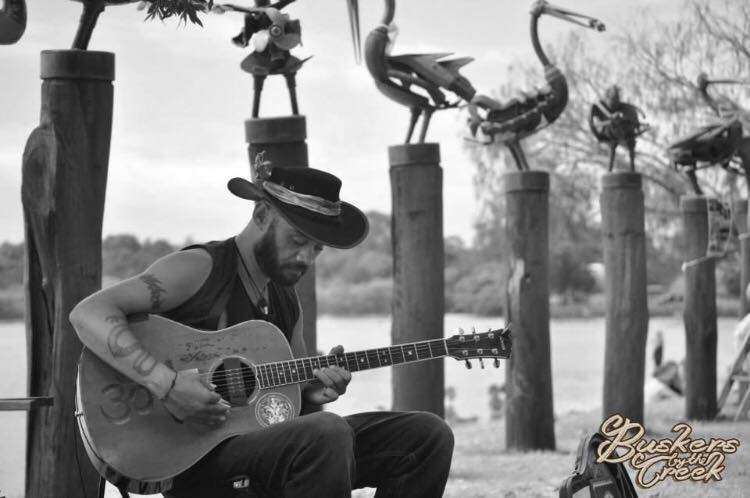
(301, 369)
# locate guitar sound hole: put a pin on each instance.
(234, 380)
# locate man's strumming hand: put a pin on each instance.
(193, 399)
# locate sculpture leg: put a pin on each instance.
(631, 150)
(612, 149)
(257, 89)
(412, 123)
(86, 24)
(427, 114)
(518, 155)
(291, 85)
(694, 181)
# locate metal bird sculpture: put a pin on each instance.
(398, 76)
(614, 123)
(272, 35)
(523, 116)
(727, 109)
(721, 143)
(12, 21)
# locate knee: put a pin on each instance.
(434, 429)
(330, 428)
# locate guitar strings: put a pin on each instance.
(283, 369)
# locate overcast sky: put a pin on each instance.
(181, 100)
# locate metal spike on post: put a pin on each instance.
(353, 10)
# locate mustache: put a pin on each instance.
(295, 266)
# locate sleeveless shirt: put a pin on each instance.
(223, 290)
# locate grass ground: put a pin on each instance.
(483, 468)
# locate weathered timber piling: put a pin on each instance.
(529, 417)
(418, 266)
(699, 313)
(283, 141)
(739, 214)
(624, 242)
(64, 182)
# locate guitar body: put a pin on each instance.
(134, 441)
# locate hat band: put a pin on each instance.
(309, 202)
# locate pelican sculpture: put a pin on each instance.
(398, 76)
(12, 21)
(518, 118)
(616, 123)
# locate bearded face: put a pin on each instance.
(283, 253)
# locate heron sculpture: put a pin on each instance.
(721, 143)
(520, 117)
(614, 123)
(397, 76)
(12, 21)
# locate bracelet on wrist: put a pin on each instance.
(166, 394)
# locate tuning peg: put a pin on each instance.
(481, 363)
(468, 364)
(497, 363)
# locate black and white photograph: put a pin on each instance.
(374, 248)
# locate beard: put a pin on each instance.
(266, 253)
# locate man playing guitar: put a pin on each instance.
(251, 277)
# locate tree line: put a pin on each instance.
(359, 280)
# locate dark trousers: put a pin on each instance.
(402, 454)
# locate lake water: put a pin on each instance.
(577, 368)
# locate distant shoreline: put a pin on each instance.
(12, 309)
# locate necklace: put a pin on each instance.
(262, 303)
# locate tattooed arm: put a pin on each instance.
(100, 319)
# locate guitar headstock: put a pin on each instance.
(493, 344)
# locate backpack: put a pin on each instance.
(596, 480)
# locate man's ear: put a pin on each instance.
(262, 215)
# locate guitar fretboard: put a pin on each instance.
(301, 370)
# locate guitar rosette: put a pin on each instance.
(273, 408)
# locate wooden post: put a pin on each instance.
(739, 213)
(699, 313)
(283, 140)
(418, 271)
(625, 290)
(64, 181)
(530, 419)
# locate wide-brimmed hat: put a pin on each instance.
(308, 199)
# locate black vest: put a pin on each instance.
(223, 289)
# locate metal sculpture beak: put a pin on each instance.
(542, 7)
(353, 9)
(727, 82)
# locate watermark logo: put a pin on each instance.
(681, 457)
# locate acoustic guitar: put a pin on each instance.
(134, 442)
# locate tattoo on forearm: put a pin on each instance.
(144, 363)
(115, 338)
(154, 286)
